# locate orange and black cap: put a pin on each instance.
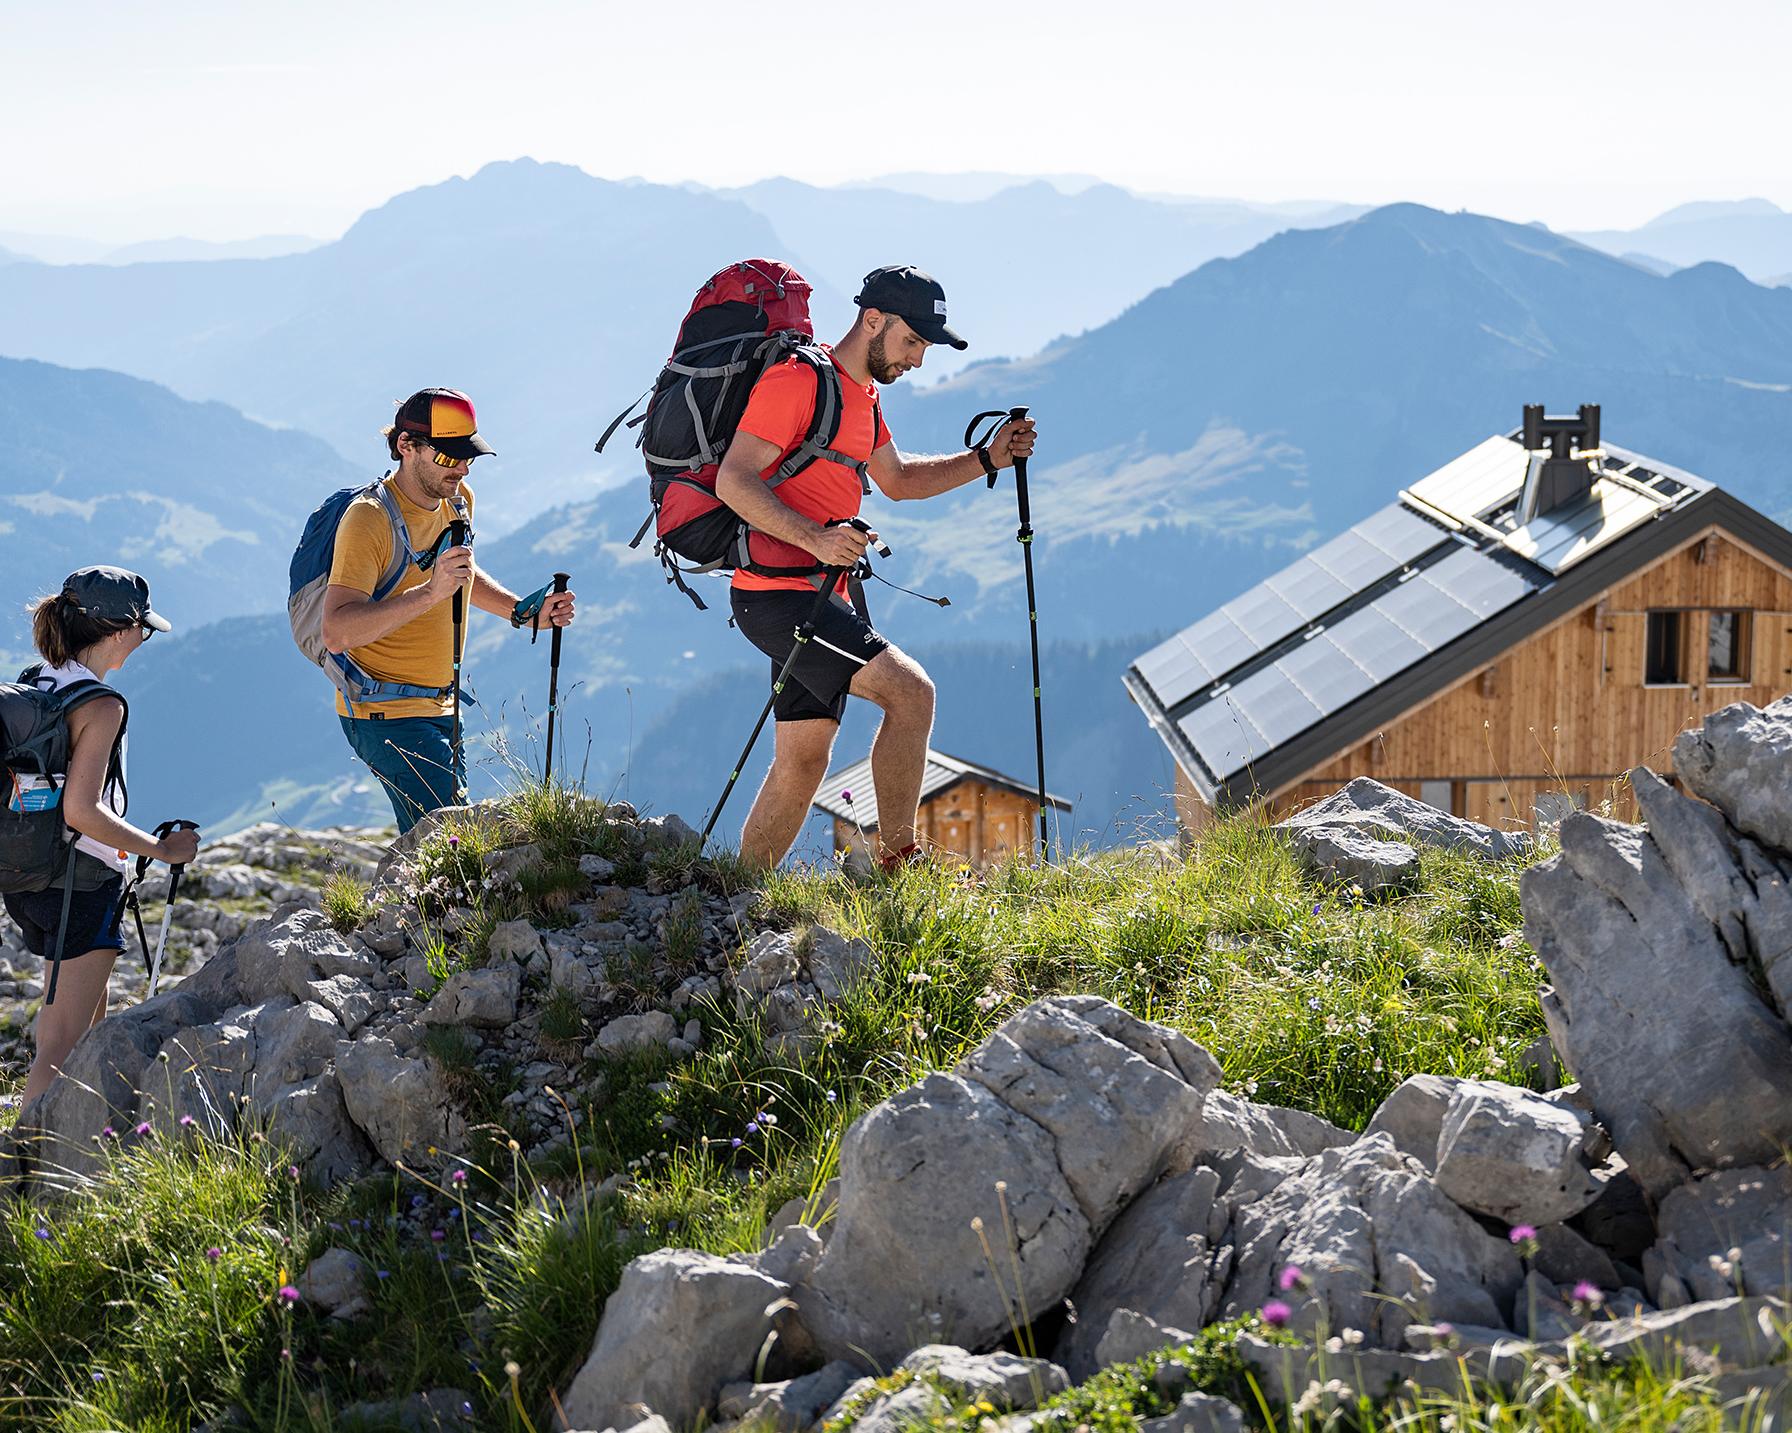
(444, 418)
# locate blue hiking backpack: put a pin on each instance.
(309, 576)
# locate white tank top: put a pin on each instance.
(67, 675)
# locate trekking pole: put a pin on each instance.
(830, 579)
(1025, 538)
(174, 875)
(457, 536)
(547, 774)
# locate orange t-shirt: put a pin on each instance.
(779, 412)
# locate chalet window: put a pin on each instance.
(1441, 794)
(1661, 659)
(1726, 649)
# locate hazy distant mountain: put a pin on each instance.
(1022, 265)
(54, 248)
(96, 467)
(180, 250)
(1752, 235)
(550, 296)
(969, 186)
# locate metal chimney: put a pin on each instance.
(1564, 457)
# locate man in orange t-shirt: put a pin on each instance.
(796, 526)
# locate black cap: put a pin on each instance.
(444, 418)
(911, 295)
(110, 594)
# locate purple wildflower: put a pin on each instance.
(288, 1295)
(214, 1254)
(42, 1232)
(417, 1201)
(187, 1121)
(458, 1177)
(292, 1173)
(1523, 1234)
(846, 796)
(752, 1126)
(1587, 1292)
(142, 1129)
(454, 841)
(734, 1143)
(1276, 1314)
(1290, 1278)
(108, 1133)
(437, 1235)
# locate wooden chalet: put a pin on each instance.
(970, 811)
(1504, 641)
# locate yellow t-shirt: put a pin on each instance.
(418, 653)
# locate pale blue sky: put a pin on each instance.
(226, 118)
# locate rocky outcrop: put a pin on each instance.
(981, 1192)
(357, 1048)
(1366, 835)
(1663, 945)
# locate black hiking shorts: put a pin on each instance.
(93, 919)
(843, 643)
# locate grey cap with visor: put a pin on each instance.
(112, 594)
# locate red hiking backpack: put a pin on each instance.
(746, 318)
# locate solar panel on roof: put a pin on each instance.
(1328, 675)
(1276, 706)
(1486, 475)
(1263, 616)
(1376, 643)
(1223, 736)
(1308, 588)
(1479, 582)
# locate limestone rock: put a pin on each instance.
(310, 1121)
(1129, 1336)
(791, 1406)
(1230, 1122)
(346, 998)
(1504, 1153)
(1730, 1232)
(1680, 1082)
(486, 997)
(336, 1283)
(667, 833)
(1378, 1244)
(1413, 1115)
(100, 1083)
(512, 862)
(1344, 856)
(1740, 761)
(285, 953)
(1739, 1332)
(1156, 1262)
(835, 964)
(948, 1374)
(628, 1033)
(1367, 805)
(402, 1105)
(679, 1326)
(515, 941)
(1042, 1135)
(904, 1262)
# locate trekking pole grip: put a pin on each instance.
(457, 537)
(160, 831)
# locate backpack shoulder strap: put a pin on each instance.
(824, 426)
(403, 555)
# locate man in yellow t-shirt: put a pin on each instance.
(406, 639)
